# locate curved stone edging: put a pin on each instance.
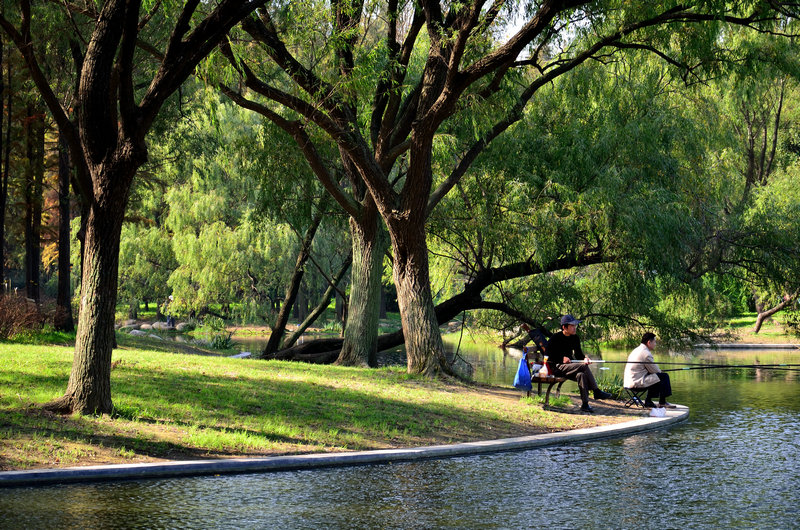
(319, 460)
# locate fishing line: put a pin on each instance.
(785, 367)
(702, 365)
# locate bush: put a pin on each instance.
(214, 324)
(792, 320)
(222, 341)
(611, 384)
(18, 316)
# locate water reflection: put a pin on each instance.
(733, 464)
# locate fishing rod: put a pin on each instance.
(749, 366)
(785, 367)
(701, 365)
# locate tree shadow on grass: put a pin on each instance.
(299, 416)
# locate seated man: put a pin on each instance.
(641, 371)
(563, 349)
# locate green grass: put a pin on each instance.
(46, 335)
(772, 330)
(173, 405)
(555, 401)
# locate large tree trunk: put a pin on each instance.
(63, 317)
(89, 387)
(369, 241)
(424, 347)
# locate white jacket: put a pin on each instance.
(641, 369)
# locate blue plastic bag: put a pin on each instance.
(523, 378)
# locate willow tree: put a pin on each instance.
(383, 79)
(107, 141)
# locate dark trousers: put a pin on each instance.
(662, 389)
(581, 374)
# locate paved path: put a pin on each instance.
(318, 460)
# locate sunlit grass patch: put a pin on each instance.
(555, 401)
(172, 405)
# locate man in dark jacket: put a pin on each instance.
(566, 359)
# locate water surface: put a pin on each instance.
(734, 464)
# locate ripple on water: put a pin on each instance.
(733, 464)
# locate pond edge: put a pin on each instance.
(182, 468)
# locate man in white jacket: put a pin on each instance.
(641, 371)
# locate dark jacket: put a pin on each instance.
(561, 346)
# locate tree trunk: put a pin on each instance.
(338, 309)
(469, 298)
(63, 318)
(34, 177)
(424, 347)
(763, 315)
(3, 165)
(302, 303)
(89, 387)
(369, 241)
(320, 308)
(133, 309)
(278, 330)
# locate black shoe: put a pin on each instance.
(599, 394)
(650, 405)
(586, 408)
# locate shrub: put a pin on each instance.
(222, 341)
(611, 384)
(792, 320)
(18, 316)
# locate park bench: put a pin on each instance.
(549, 381)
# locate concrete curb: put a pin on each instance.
(39, 477)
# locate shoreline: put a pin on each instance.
(176, 468)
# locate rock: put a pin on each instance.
(162, 326)
(137, 333)
(154, 336)
(242, 355)
(147, 327)
(130, 322)
(185, 326)
(129, 327)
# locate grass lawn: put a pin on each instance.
(183, 406)
(773, 330)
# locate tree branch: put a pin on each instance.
(65, 125)
(183, 55)
(300, 136)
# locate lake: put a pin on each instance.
(733, 464)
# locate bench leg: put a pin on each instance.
(547, 396)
